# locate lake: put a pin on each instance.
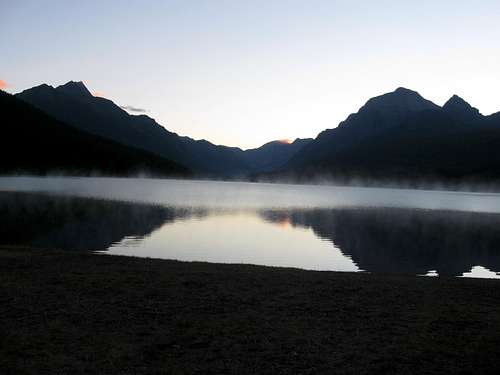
(417, 232)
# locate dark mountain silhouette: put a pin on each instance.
(398, 240)
(403, 136)
(396, 136)
(376, 116)
(460, 110)
(75, 105)
(76, 89)
(34, 142)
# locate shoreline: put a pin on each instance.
(78, 313)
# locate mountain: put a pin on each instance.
(396, 136)
(74, 104)
(273, 155)
(34, 142)
(402, 136)
(75, 89)
(461, 110)
(376, 116)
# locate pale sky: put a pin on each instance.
(242, 73)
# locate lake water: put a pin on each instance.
(312, 227)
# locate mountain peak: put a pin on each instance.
(457, 106)
(42, 90)
(42, 87)
(75, 88)
(401, 99)
(456, 100)
(404, 90)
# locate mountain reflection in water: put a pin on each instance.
(397, 240)
(378, 240)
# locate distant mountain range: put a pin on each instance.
(73, 104)
(396, 136)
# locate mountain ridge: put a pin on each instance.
(71, 103)
(34, 142)
(452, 143)
(399, 134)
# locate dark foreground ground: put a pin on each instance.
(81, 313)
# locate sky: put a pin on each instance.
(241, 72)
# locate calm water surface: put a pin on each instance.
(313, 227)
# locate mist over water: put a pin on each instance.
(247, 195)
(312, 227)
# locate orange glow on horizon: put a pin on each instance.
(286, 141)
(98, 93)
(284, 222)
(3, 84)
